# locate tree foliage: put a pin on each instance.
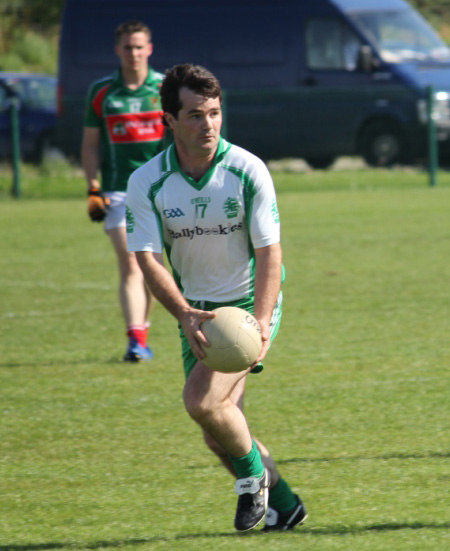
(432, 6)
(29, 30)
(436, 11)
(40, 13)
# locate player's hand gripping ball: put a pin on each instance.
(97, 205)
(235, 338)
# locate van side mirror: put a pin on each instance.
(366, 61)
(7, 91)
(7, 96)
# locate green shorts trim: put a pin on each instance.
(189, 359)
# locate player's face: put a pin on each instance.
(197, 127)
(133, 50)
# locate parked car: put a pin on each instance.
(37, 113)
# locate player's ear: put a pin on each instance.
(150, 49)
(170, 119)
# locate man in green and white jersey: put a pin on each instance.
(212, 207)
(123, 129)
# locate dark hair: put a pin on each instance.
(196, 78)
(129, 27)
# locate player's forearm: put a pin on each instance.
(267, 280)
(90, 156)
(162, 284)
(90, 163)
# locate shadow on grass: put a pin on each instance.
(428, 455)
(384, 457)
(49, 363)
(319, 531)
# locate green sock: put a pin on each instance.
(248, 465)
(281, 497)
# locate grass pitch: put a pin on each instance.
(97, 454)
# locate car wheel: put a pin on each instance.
(383, 144)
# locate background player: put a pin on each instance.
(123, 128)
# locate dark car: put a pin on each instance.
(37, 113)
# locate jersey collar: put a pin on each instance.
(171, 163)
(117, 76)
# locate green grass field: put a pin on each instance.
(354, 400)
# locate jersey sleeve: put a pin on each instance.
(91, 118)
(143, 227)
(94, 104)
(264, 224)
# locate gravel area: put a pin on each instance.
(299, 165)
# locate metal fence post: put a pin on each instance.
(432, 139)
(15, 140)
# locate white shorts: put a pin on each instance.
(115, 213)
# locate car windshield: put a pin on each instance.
(402, 36)
(36, 92)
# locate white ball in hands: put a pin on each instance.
(235, 339)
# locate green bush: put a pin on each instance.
(30, 51)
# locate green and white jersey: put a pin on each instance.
(130, 123)
(208, 228)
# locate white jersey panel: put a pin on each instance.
(209, 230)
(143, 231)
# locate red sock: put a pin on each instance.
(138, 333)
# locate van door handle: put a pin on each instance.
(309, 81)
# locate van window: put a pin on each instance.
(401, 36)
(330, 44)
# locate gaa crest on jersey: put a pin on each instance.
(129, 217)
(231, 207)
(156, 102)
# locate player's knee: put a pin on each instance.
(195, 405)
(196, 409)
(131, 272)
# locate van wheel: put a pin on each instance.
(320, 163)
(383, 144)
